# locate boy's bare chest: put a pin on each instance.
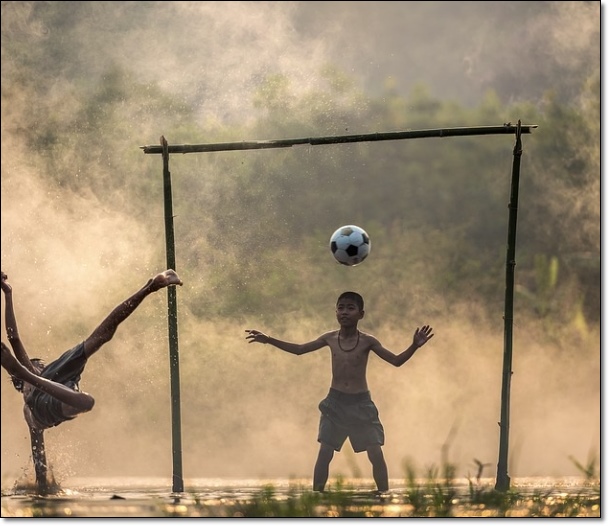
(352, 357)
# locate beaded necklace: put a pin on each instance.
(352, 348)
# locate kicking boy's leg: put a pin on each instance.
(39, 457)
(105, 331)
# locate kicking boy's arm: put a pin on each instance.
(420, 338)
(292, 348)
(73, 400)
(12, 331)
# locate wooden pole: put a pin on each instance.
(174, 359)
(340, 139)
(502, 482)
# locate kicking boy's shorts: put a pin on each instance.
(349, 415)
(65, 370)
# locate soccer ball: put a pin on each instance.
(350, 245)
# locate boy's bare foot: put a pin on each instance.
(164, 279)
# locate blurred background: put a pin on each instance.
(86, 84)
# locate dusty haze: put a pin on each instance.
(251, 410)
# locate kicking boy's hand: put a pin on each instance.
(422, 335)
(3, 283)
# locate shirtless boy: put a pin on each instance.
(348, 410)
(51, 392)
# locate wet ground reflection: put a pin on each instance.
(146, 497)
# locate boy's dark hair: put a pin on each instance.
(349, 295)
(18, 383)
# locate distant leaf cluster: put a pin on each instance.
(257, 223)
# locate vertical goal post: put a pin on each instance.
(502, 482)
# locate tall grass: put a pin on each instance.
(437, 494)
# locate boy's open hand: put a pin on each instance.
(422, 335)
(256, 336)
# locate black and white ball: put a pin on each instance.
(350, 245)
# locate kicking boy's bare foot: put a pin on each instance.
(164, 279)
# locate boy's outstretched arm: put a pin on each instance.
(293, 348)
(420, 338)
(12, 332)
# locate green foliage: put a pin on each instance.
(257, 223)
(589, 469)
(424, 499)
